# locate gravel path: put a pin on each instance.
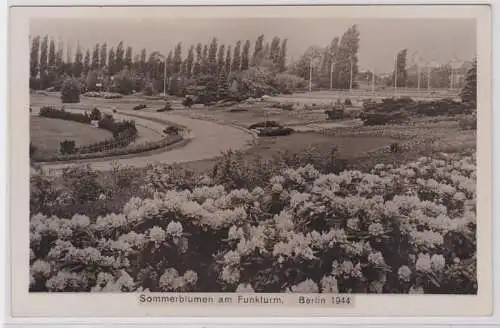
(207, 140)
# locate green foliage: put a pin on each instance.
(289, 83)
(70, 91)
(67, 147)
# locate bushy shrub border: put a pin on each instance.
(165, 142)
(51, 112)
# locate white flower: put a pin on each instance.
(353, 223)
(306, 286)
(235, 233)
(277, 188)
(232, 258)
(230, 275)
(347, 267)
(459, 196)
(41, 268)
(244, 288)
(423, 263)
(376, 258)
(190, 277)
(174, 229)
(80, 221)
(416, 290)
(157, 234)
(376, 229)
(438, 262)
(404, 273)
(329, 284)
(168, 278)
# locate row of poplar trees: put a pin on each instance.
(48, 63)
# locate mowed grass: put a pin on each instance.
(47, 133)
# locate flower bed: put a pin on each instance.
(409, 229)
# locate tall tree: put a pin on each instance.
(469, 91)
(212, 57)
(34, 56)
(190, 62)
(178, 58)
(78, 64)
(128, 57)
(204, 60)
(119, 57)
(86, 62)
(220, 58)
(282, 56)
(197, 64)
(346, 60)
(104, 55)
(399, 76)
(44, 56)
(274, 52)
(52, 55)
(95, 56)
(170, 64)
(59, 58)
(258, 52)
(142, 61)
(245, 56)
(228, 60)
(112, 62)
(236, 65)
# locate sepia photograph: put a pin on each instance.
(259, 154)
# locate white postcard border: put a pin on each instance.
(82, 305)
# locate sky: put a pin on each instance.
(435, 40)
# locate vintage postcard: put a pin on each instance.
(250, 161)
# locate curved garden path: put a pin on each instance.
(207, 140)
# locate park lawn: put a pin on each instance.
(47, 133)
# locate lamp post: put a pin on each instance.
(350, 74)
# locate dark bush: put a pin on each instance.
(51, 112)
(335, 114)
(396, 148)
(348, 102)
(70, 91)
(383, 118)
(266, 124)
(140, 106)
(188, 102)
(288, 107)
(172, 130)
(67, 147)
(95, 115)
(275, 131)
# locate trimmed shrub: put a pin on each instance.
(266, 124)
(67, 147)
(275, 131)
(188, 102)
(140, 106)
(348, 102)
(172, 130)
(70, 91)
(383, 118)
(95, 115)
(335, 114)
(51, 112)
